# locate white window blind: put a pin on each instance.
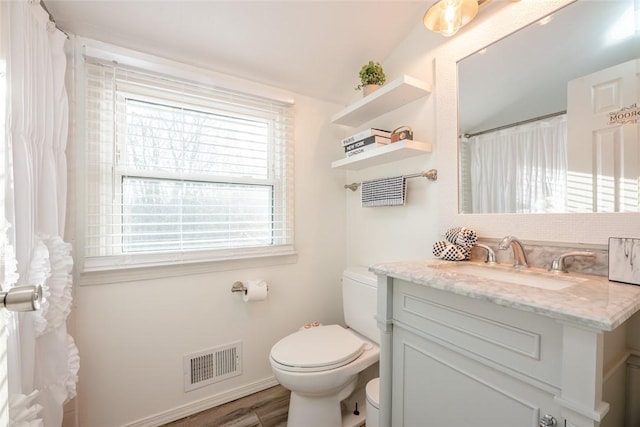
(178, 171)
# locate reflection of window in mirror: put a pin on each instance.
(531, 141)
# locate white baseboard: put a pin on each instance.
(203, 404)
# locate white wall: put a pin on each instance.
(396, 233)
(132, 335)
(401, 233)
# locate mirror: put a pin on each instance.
(561, 162)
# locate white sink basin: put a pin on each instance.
(536, 278)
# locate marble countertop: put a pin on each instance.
(593, 301)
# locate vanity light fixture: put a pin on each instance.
(448, 16)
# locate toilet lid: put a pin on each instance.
(317, 349)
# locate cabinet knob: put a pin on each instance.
(548, 421)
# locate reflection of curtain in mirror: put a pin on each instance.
(521, 169)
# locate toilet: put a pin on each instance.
(320, 365)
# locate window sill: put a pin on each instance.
(132, 272)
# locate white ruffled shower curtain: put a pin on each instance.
(42, 357)
(521, 169)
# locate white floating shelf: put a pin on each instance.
(388, 153)
(390, 96)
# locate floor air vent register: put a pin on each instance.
(212, 365)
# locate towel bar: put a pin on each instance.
(431, 175)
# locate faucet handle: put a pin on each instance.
(558, 265)
(491, 256)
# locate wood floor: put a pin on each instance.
(267, 408)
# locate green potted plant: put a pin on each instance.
(371, 77)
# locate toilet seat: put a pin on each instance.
(317, 349)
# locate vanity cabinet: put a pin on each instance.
(457, 349)
(462, 362)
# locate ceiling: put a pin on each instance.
(315, 48)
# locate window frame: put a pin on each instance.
(281, 248)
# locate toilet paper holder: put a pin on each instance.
(238, 287)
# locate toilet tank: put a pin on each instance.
(359, 300)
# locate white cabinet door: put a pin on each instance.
(603, 158)
(435, 386)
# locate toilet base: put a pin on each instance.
(328, 416)
(301, 415)
(318, 411)
(349, 419)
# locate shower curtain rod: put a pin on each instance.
(44, 6)
(535, 119)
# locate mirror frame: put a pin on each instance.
(583, 228)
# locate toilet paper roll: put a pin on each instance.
(256, 290)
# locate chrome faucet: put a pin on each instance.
(519, 257)
(491, 256)
(558, 266)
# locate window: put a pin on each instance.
(177, 171)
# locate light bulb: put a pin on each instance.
(448, 16)
(451, 17)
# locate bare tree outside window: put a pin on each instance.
(176, 166)
(180, 171)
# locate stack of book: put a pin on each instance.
(365, 140)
